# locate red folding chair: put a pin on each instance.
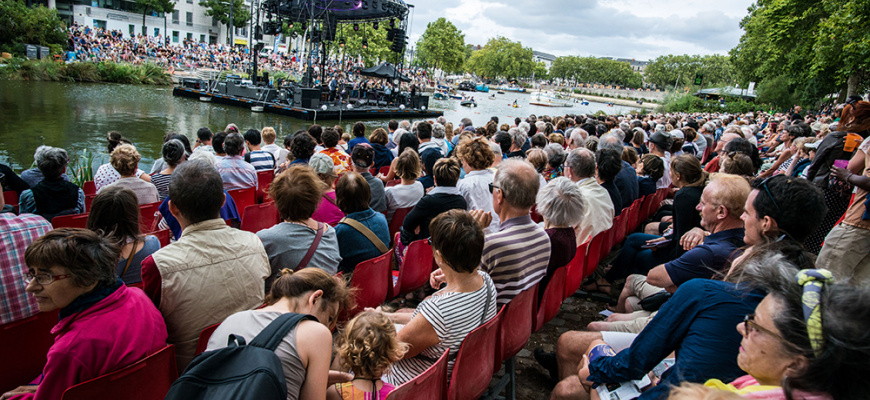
(24, 344)
(10, 197)
(384, 170)
(148, 216)
(474, 363)
(70, 221)
(415, 269)
(595, 251)
(204, 336)
(89, 187)
(515, 328)
(398, 219)
(552, 300)
(635, 215)
(619, 224)
(576, 270)
(147, 379)
(427, 386)
(393, 182)
(243, 198)
(259, 216)
(264, 179)
(163, 236)
(371, 278)
(89, 201)
(534, 214)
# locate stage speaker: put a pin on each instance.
(306, 97)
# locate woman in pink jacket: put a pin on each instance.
(104, 325)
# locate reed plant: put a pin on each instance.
(81, 166)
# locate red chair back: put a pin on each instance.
(576, 270)
(89, 201)
(89, 187)
(474, 365)
(594, 256)
(70, 221)
(163, 236)
(635, 215)
(393, 182)
(384, 170)
(259, 216)
(204, 336)
(264, 179)
(24, 345)
(371, 278)
(147, 379)
(619, 225)
(148, 216)
(10, 197)
(427, 386)
(534, 214)
(398, 219)
(552, 300)
(415, 269)
(515, 325)
(243, 198)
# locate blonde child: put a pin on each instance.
(368, 346)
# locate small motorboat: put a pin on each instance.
(500, 92)
(440, 96)
(584, 102)
(482, 87)
(492, 97)
(468, 103)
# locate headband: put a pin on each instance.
(813, 280)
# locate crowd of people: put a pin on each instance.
(749, 281)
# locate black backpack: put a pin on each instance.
(239, 371)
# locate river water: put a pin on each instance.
(76, 116)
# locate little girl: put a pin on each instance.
(368, 346)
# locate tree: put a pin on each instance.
(442, 46)
(21, 25)
(541, 72)
(664, 71)
(220, 10)
(501, 58)
(167, 7)
(377, 49)
(147, 7)
(595, 70)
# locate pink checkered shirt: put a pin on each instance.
(16, 233)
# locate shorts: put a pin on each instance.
(634, 326)
(640, 290)
(618, 340)
(846, 254)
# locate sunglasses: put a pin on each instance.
(493, 187)
(770, 195)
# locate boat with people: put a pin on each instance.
(482, 87)
(500, 91)
(468, 102)
(511, 88)
(440, 96)
(549, 99)
(466, 86)
(492, 96)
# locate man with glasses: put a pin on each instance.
(16, 233)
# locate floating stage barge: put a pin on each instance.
(303, 103)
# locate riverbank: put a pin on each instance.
(103, 71)
(621, 102)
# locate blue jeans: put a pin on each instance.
(633, 259)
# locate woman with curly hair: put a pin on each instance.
(477, 158)
(125, 160)
(368, 346)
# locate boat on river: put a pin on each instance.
(549, 99)
(468, 103)
(511, 88)
(482, 87)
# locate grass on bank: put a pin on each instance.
(103, 71)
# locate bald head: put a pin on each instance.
(518, 182)
(725, 139)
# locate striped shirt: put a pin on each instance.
(453, 316)
(261, 160)
(161, 182)
(236, 173)
(516, 256)
(16, 233)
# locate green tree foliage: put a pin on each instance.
(148, 7)
(818, 46)
(378, 48)
(442, 46)
(20, 25)
(664, 71)
(541, 71)
(220, 10)
(776, 92)
(501, 58)
(595, 70)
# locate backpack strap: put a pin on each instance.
(274, 333)
(365, 231)
(310, 253)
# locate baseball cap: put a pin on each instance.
(363, 155)
(661, 139)
(677, 134)
(322, 164)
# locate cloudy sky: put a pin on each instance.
(639, 29)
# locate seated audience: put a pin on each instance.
(115, 215)
(52, 195)
(209, 254)
(477, 158)
(159, 165)
(649, 170)
(363, 234)
(444, 196)
(383, 155)
(269, 135)
(306, 351)
(608, 164)
(441, 322)
(409, 191)
(299, 241)
(368, 346)
(260, 159)
(234, 171)
(302, 148)
(626, 178)
(34, 175)
(173, 155)
(125, 160)
(327, 211)
(598, 217)
(73, 271)
(555, 160)
(106, 174)
(362, 159)
(359, 136)
(340, 159)
(562, 206)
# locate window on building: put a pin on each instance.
(132, 30)
(202, 38)
(214, 21)
(98, 23)
(156, 31)
(175, 17)
(189, 36)
(174, 36)
(189, 18)
(212, 40)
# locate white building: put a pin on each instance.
(546, 58)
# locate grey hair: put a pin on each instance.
(438, 131)
(518, 137)
(465, 122)
(51, 161)
(582, 162)
(610, 141)
(173, 152)
(541, 125)
(555, 154)
(578, 136)
(524, 126)
(441, 120)
(405, 124)
(661, 128)
(496, 150)
(561, 202)
(518, 182)
(397, 135)
(709, 127)
(619, 133)
(624, 126)
(202, 156)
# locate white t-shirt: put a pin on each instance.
(403, 196)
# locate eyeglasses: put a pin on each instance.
(749, 326)
(770, 195)
(493, 187)
(43, 279)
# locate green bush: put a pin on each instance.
(104, 71)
